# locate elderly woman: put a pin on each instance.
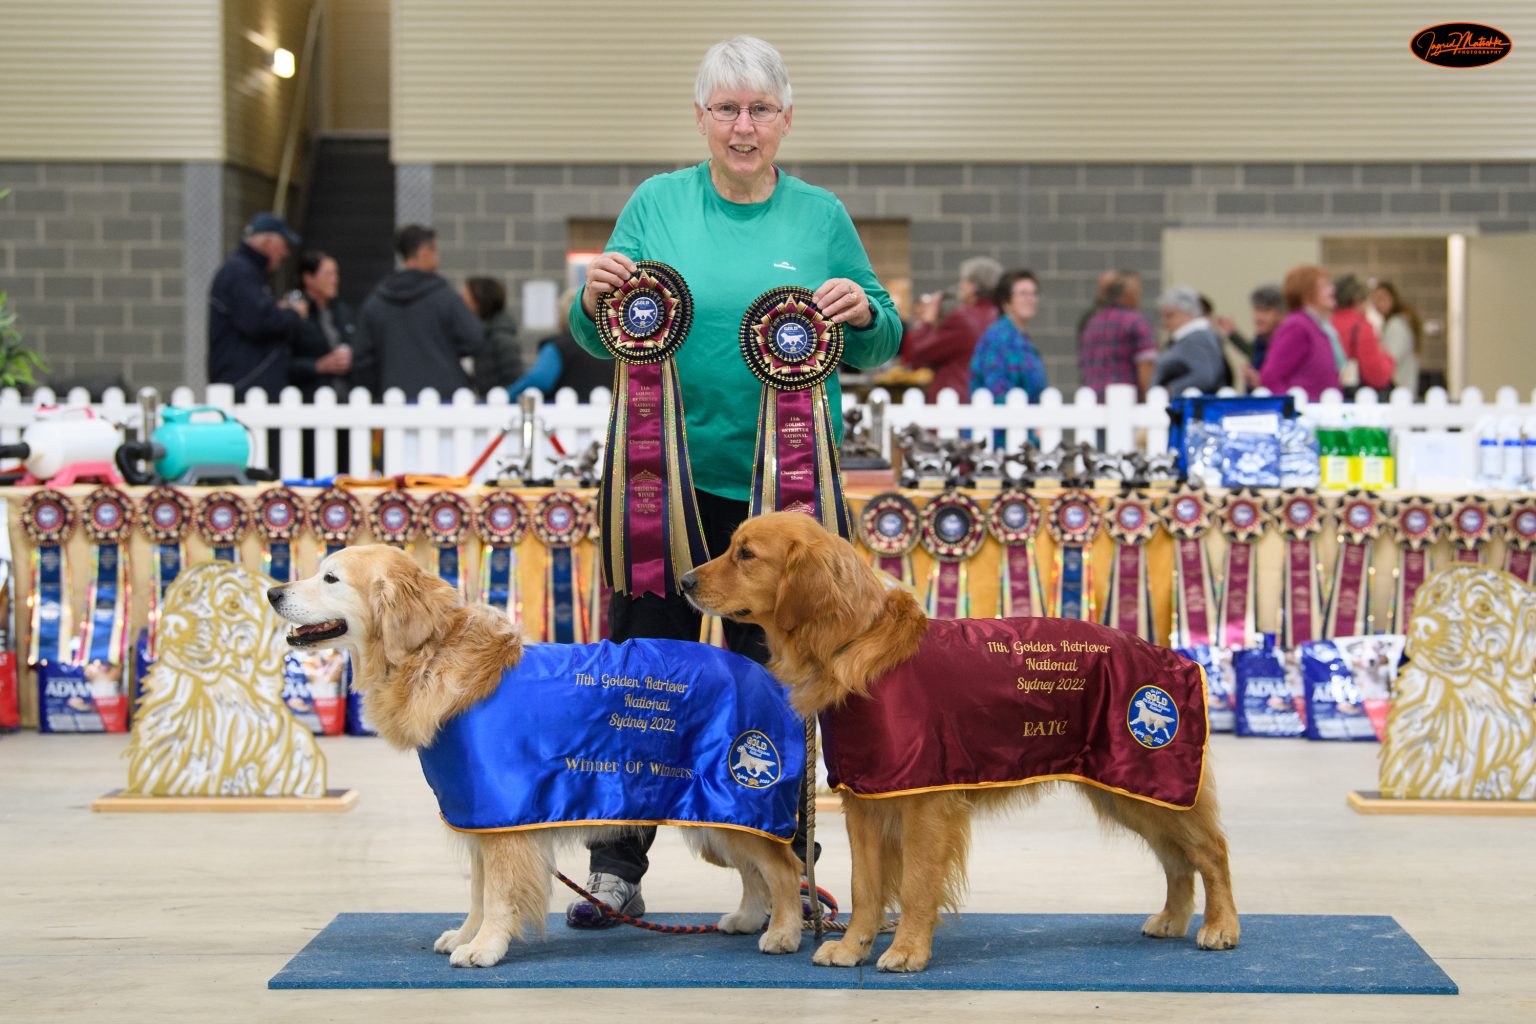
(947, 345)
(734, 226)
(1193, 358)
(1304, 352)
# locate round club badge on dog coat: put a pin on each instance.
(1153, 717)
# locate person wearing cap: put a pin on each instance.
(251, 334)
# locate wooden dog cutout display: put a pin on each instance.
(845, 644)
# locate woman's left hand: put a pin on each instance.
(842, 301)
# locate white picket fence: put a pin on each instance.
(430, 435)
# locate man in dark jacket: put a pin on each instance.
(250, 336)
(414, 328)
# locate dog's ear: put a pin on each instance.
(818, 581)
(409, 608)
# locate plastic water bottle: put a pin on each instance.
(1514, 453)
(1490, 459)
(1529, 451)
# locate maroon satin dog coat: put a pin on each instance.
(1004, 702)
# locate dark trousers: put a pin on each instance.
(673, 618)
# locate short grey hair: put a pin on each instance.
(1183, 298)
(983, 272)
(743, 62)
(1267, 296)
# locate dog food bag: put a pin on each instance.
(10, 696)
(81, 698)
(1217, 663)
(1265, 704)
(312, 685)
(1335, 707)
(1374, 661)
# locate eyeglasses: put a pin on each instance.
(762, 113)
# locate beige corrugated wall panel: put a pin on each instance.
(611, 80)
(110, 80)
(257, 102)
(357, 66)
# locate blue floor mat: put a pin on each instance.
(1043, 952)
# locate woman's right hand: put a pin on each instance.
(604, 274)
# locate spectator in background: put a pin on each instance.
(1268, 308)
(1100, 299)
(1193, 358)
(500, 361)
(1301, 353)
(322, 356)
(1005, 358)
(414, 327)
(1365, 361)
(1116, 345)
(250, 334)
(1402, 334)
(946, 345)
(564, 364)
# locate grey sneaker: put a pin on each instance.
(622, 896)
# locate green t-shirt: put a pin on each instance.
(730, 253)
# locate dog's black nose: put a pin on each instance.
(689, 581)
(273, 593)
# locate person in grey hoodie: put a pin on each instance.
(414, 327)
(1194, 358)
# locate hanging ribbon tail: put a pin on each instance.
(1238, 596)
(1129, 604)
(1301, 597)
(1519, 563)
(948, 591)
(1349, 598)
(561, 614)
(1193, 593)
(1018, 590)
(1413, 570)
(1074, 585)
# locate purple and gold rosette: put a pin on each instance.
(792, 348)
(394, 518)
(889, 527)
(559, 521)
(1014, 519)
(1418, 523)
(108, 519)
(337, 518)
(1187, 516)
(648, 513)
(447, 520)
(223, 521)
(48, 518)
(953, 530)
(1471, 521)
(165, 517)
(1242, 519)
(1360, 521)
(1520, 539)
(1299, 515)
(1131, 522)
(1073, 522)
(280, 517)
(500, 520)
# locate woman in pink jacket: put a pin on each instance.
(1301, 352)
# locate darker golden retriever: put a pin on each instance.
(420, 656)
(833, 630)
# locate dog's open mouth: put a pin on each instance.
(316, 632)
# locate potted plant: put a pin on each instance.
(17, 364)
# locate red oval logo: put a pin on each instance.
(1460, 44)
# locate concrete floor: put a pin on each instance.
(128, 918)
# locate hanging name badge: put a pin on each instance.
(1187, 516)
(393, 518)
(953, 530)
(338, 517)
(1349, 600)
(1471, 522)
(1014, 519)
(648, 513)
(1131, 523)
(165, 517)
(1520, 540)
(792, 349)
(108, 519)
(280, 515)
(501, 521)
(1300, 517)
(1242, 520)
(560, 522)
(447, 520)
(1073, 522)
(889, 528)
(48, 519)
(223, 521)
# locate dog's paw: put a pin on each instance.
(839, 953)
(478, 954)
(450, 940)
(783, 940)
(898, 959)
(1163, 925)
(1218, 935)
(742, 922)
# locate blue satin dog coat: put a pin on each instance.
(644, 732)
